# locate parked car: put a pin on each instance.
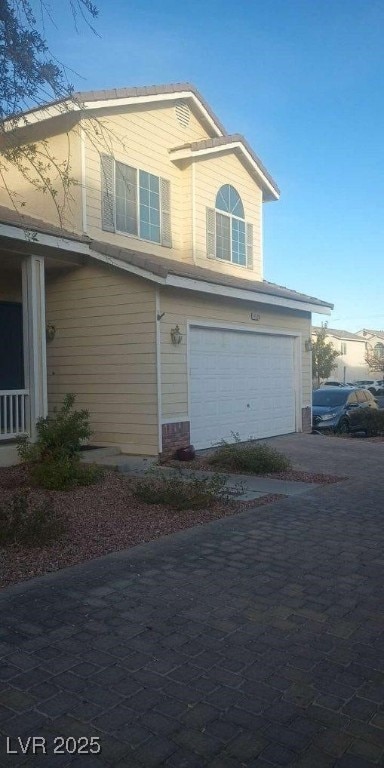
(332, 407)
(332, 384)
(374, 385)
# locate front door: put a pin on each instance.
(11, 345)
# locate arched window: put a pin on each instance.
(229, 200)
(378, 350)
(230, 226)
(229, 236)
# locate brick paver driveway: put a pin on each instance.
(254, 641)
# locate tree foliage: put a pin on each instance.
(30, 76)
(374, 357)
(324, 356)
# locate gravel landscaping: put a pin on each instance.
(101, 518)
(201, 462)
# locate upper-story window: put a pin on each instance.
(343, 348)
(135, 202)
(229, 236)
(378, 350)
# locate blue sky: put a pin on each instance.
(303, 80)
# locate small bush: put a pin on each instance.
(59, 436)
(370, 420)
(64, 474)
(54, 459)
(252, 458)
(23, 521)
(179, 492)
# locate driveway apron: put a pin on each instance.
(253, 641)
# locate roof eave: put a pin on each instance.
(58, 109)
(270, 190)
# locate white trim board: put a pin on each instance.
(241, 293)
(16, 233)
(175, 281)
(189, 153)
(68, 106)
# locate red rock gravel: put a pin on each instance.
(102, 518)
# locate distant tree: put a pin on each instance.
(30, 75)
(374, 357)
(324, 356)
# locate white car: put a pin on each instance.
(332, 384)
(374, 385)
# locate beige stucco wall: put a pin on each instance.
(104, 351)
(181, 307)
(350, 366)
(30, 199)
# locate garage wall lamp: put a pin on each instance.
(308, 344)
(50, 332)
(176, 335)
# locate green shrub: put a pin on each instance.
(370, 420)
(64, 474)
(23, 521)
(248, 457)
(175, 490)
(54, 459)
(59, 436)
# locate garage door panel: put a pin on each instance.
(241, 383)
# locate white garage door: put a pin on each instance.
(240, 383)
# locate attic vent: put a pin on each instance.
(183, 113)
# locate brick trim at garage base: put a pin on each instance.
(175, 435)
(306, 415)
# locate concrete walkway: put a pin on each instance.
(250, 642)
(250, 487)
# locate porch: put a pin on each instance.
(23, 389)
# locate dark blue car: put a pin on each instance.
(332, 408)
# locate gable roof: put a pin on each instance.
(91, 99)
(81, 101)
(230, 141)
(367, 332)
(338, 334)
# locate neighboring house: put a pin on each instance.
(374, 342)
(351, 365)
(157, 314)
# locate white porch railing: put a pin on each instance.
(13, 413)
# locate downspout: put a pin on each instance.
(158, 368)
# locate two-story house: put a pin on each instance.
(350, 365)
(374, 344)
(150, 304)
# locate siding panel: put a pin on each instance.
(104, 352)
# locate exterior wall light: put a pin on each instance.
(308, 345)
(50, 332)
(176, 335)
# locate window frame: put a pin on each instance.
(135, 195)
(138, 172)
(343, 347)
(231, 217)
